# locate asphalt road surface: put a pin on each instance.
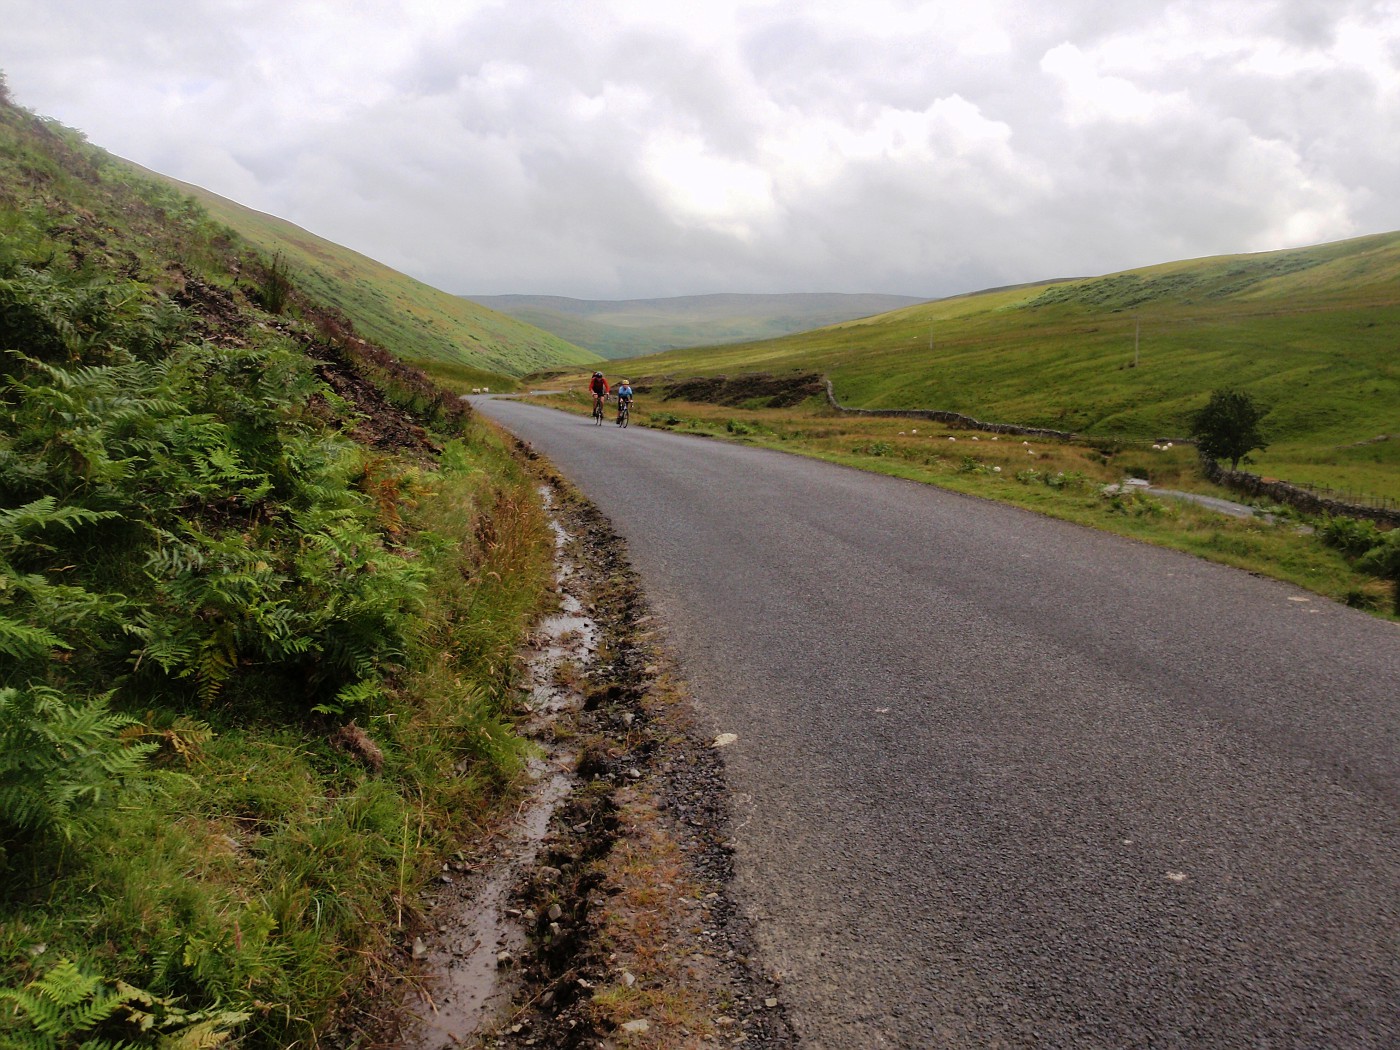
(1001, 781)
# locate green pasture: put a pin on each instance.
(1313, 334)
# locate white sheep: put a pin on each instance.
(486, 390)
(476, 390)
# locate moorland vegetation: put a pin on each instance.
(262, 589)
(462, 342)
(1311, 334)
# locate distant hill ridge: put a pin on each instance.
(628, 327)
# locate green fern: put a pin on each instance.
(43, 513)
(67, 1008)
(59, 757)
(25, 641)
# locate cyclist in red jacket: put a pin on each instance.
(599, 387)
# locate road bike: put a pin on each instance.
(624, 412)
(597, 411)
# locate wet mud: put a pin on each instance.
(475, 935)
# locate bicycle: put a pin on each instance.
(624, 411)
(597, 410)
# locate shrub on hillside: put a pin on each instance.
(1228, 427)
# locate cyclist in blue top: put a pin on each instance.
(623, 393)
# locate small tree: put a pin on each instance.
(1228, 427)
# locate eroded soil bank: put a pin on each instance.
(602, 917)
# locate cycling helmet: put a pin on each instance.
(623, 383)
(597, 375)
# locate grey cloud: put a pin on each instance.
(507, 150)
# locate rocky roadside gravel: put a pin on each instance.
(635, 940)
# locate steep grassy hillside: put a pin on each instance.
(1314, 333)
(626, 328)
(261, 588)
(413, 320)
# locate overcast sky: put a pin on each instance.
(634, 148)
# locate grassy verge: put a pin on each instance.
(1062, 480)
(255, 880)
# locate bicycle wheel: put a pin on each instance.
(626, 415)
(597, 413)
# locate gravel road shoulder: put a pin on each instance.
(634, 937)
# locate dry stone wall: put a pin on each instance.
(1293, 496)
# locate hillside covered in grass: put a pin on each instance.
(262, 588)
(629, 327)
(416, 321)
(1312, 333)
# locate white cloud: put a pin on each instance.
(1091, 94)
(627, 148)
(719, 192)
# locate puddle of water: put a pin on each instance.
(467, 988)
(465, 972)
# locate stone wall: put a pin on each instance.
(1293, 496)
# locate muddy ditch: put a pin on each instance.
(602, 916)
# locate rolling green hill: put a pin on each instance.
(628, 327)
(1313, 333)
(412, 319)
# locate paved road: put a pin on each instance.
(1002, 781)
